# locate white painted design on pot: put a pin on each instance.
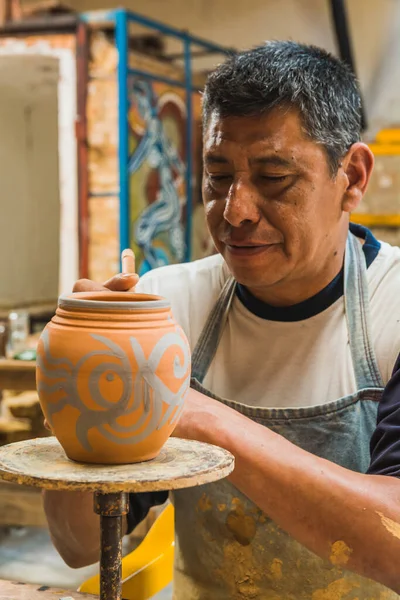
(148, 389)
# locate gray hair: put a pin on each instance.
(322, 88)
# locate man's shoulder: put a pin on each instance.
(385, 270)
(384, 282)
(384, 286)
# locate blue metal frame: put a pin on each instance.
(121, 18)
(189, 147)
(121, 36)
(163, 79)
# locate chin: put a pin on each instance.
(256, 278)
(254, 273)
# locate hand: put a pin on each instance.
(123, 282)
(203, 419)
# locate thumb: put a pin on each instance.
(122, 282)
(86, 285)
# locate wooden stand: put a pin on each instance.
(180, 464)
(18, 375)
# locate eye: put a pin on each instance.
(274, 179)
(221, 177)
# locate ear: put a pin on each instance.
(357, 166)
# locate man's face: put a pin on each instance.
(273, 208)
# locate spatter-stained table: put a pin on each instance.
(11, 590)
(180, 464)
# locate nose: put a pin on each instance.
(241, 205)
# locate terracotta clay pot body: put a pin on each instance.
(113, 370)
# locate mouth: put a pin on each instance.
(249, 250)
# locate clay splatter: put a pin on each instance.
(337, 590)
(391, 526)
(262, 518)
(276, 569)
(236, 502)
(340, 553)
(204, 503)
(243, 581)
(242, 525)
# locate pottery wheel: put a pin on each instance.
(181, 463)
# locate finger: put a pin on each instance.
(46, 424)
(86, 285)
(122, 283)
(128, 261)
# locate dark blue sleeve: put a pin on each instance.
(140, 504)
(385, 441)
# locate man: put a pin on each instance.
(295, 330)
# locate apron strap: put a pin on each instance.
(356, 298)
(209, 339)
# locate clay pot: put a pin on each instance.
(113, 370)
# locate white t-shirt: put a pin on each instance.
(265, 362)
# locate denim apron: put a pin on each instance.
(226, 547)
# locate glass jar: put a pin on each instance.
(18, 331)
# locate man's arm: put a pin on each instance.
(317, 502)
(75, 527)
(385, 442)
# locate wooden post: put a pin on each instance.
(3, 12)
(15, 10)
(10, 10)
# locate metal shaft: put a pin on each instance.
(111, 508)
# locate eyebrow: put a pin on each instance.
(276, 161)
(213, 159)
(273, 160)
